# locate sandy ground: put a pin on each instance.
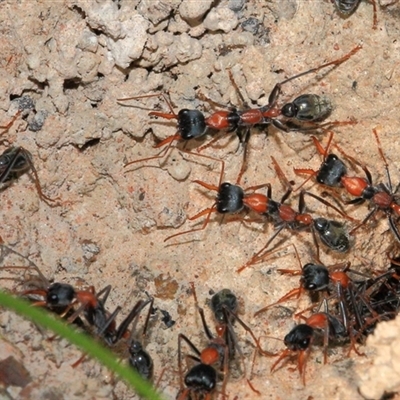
(74, 60)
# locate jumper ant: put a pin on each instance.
(62, 298)
(353, 297)
(333, 234)
(348, 7)
(193, 124)
(202, 378)
(315, 278)
(301, 337)
(232, 199)
(382, 197)
(14, 162)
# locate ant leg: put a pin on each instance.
(384, 159)
(181, 337)
(369, 215)
(282, 177)
(9, 125)
(49, 201)
(163, 153)
(293, 293)
(328, 204)
(285, 353)
(375, 19)
(201, 312)
(250, 332)
(277, 89)
(238, 92)
(245, 144)
(207, 211)
(259, 256)
(172, 115)
(106, 291)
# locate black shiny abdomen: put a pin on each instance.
(224, 299)
(140, 360)
(308, 107)
(333, 234)
(346, 7)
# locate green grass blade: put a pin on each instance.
(84, 342)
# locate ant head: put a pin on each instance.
(191, 124)
(315, 277)
(230, 199)
(60, 295)
(331, 171)
(299, 338)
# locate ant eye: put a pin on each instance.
(305, 343)
(52, 299)
(311, 286)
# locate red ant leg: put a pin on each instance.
(302, 360)
(285, 353)
(9, 125)
(277, 89)
(259, 256)
(293, 293)
(172, 115)
(163, 153)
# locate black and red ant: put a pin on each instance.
(65, 300)
(333, 234)
(193, 124)
(333, 173)
(315, 278)
(202, 378)
(300, 338)
(232, 199)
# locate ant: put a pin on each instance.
(202, 378)
(301, 337)
(193, 124)
(333, 234)
(14, 162)
(61, 299)
(353, 299)
(381, 197)
(232, 199)
(348, 7)
(314, 278)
